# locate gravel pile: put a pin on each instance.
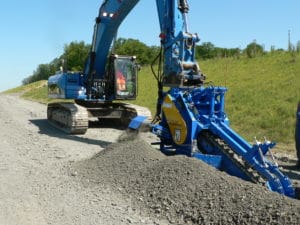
(184, 190)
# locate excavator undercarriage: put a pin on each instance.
(74, 118)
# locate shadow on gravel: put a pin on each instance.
(46, 128)
(108, 123)
(292, 172)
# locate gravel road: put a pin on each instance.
(37, 184)
(48, 177)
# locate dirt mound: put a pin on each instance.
(184, 190)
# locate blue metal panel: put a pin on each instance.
(57, 86)
(66, 86)
(137, 122)
(213, 160)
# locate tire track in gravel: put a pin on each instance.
(37, 184)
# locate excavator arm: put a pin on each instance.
(111, 15)
(180, 67)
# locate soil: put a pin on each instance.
(48, 177)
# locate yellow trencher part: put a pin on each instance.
(176, 123)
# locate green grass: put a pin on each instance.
(28, 88)
(37, 91)
(40, 95)
(262, 95)
(147, 90)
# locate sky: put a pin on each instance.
(35, 31)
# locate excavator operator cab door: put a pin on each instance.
(125, 70)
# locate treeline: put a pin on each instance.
(76, 53)
(72, 59)
(208, 51)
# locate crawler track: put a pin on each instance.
(68, 117)
(252, 174)
(74, 118)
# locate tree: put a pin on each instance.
(208, 51)
(205, 51)
(75, 55)
(144, 53)
(42, 72)
(253, 49)
(298, 46)
(272, 49)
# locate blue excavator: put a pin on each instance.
(190, 114)
(107, 79)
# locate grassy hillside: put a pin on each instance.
(36, 91)
(262, 93)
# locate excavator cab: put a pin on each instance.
(125, 70)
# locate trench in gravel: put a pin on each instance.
(184, 190)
